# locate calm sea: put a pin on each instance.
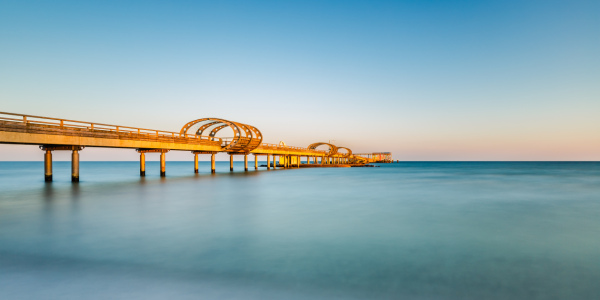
(427, 230)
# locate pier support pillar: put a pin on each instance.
(143, 151)
(212, 163)
(142, 164)
(163, 172)
(298, 161)
(195, 162)
(48, 166)
(231, 163)
(274, 162)
(246, 162)
(75, 166)
(255, 162)
(268, 161)
(48, 160)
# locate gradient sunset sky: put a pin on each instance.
(426, 80)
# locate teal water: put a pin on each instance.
(402, 231)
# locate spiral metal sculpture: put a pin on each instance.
(348, 152)
(245, 137)
(333, 149)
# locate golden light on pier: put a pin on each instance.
(198, 137)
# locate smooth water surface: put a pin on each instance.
(402, 231)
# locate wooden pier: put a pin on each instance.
(198, 137)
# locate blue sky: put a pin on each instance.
(427, 80)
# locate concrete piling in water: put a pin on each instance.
(195, 162)
(255, 162)
(163, 172)
(230, 163)
(245, 162)
(268, 161)
(142, 164)
(48, 160)
(48, 166)
(75, 166)
(212, 163)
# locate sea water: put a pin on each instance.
(419, 230)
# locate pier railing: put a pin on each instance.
(55, 126)
(46, 125)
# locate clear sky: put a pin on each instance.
(426, 80)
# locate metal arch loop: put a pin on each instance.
(332, 148)
(245, 137)
(347, 155)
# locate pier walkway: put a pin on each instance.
(198, 136)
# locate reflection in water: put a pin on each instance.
(414, 230)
